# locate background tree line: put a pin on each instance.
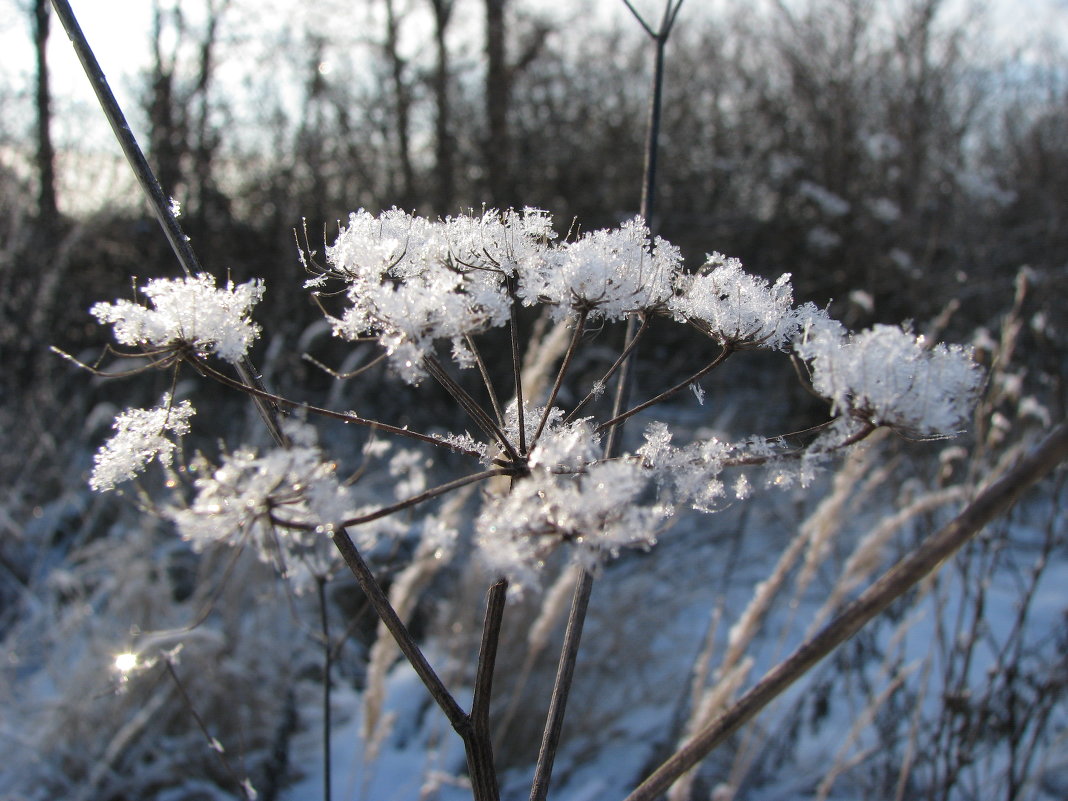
(884, 154)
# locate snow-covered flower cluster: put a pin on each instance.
(736, 308)
(889, 377)
(411, 284)
(285, 502)
(598, 512)
(188, 311)
(141, 435)
(608, 273)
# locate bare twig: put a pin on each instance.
(991, 502)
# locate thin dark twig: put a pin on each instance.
(619, 418)
(471, 406)
(213, 743)
(631, 344)
(363, 368)
(991, 502)
(513, 328)
(324, 626)
(407, 503)
(565, 363)
(480, 745)
(377, 596)
(565, 673)
(206, 369)
(482, 369)
(161, 206)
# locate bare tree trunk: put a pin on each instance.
(206, 142)
(167, 130)
(497, 148)
(402, 105)
(47, 209)
(445, 146)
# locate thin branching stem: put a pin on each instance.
(389, 617)
(565, 363)
(991, 502)
(484, 372)
(624, 354)
(517, 369)
(619, 418)
(471, 406)
(212, 742)
(348, 417)
(407, 503)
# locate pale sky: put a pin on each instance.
(118, 31)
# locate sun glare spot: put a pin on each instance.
(124, 663)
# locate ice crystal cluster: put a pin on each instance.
(417, 286)
(141, 435)
(187, 311)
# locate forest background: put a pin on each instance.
(904, 160)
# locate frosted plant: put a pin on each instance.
(556, 486)
(190, 312)
(736, 308)
(141, 435)
(411, 283)
(889, 377)
(285, 502)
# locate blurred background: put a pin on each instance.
(904, 160)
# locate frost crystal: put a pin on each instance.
(188, 311)
(889, 377)
(737, 308)
(413, 282)
(599, 513)
(609, 273)
(286, 501)
(140, 436)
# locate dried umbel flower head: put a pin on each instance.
(190, 312)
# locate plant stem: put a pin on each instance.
(324, 628)
(991, 502)
(565, 674)
(479, 743)
(620, 417)
(513, 329)
(161, 206)
(580, 326)
(206, 369)
(388, 615)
